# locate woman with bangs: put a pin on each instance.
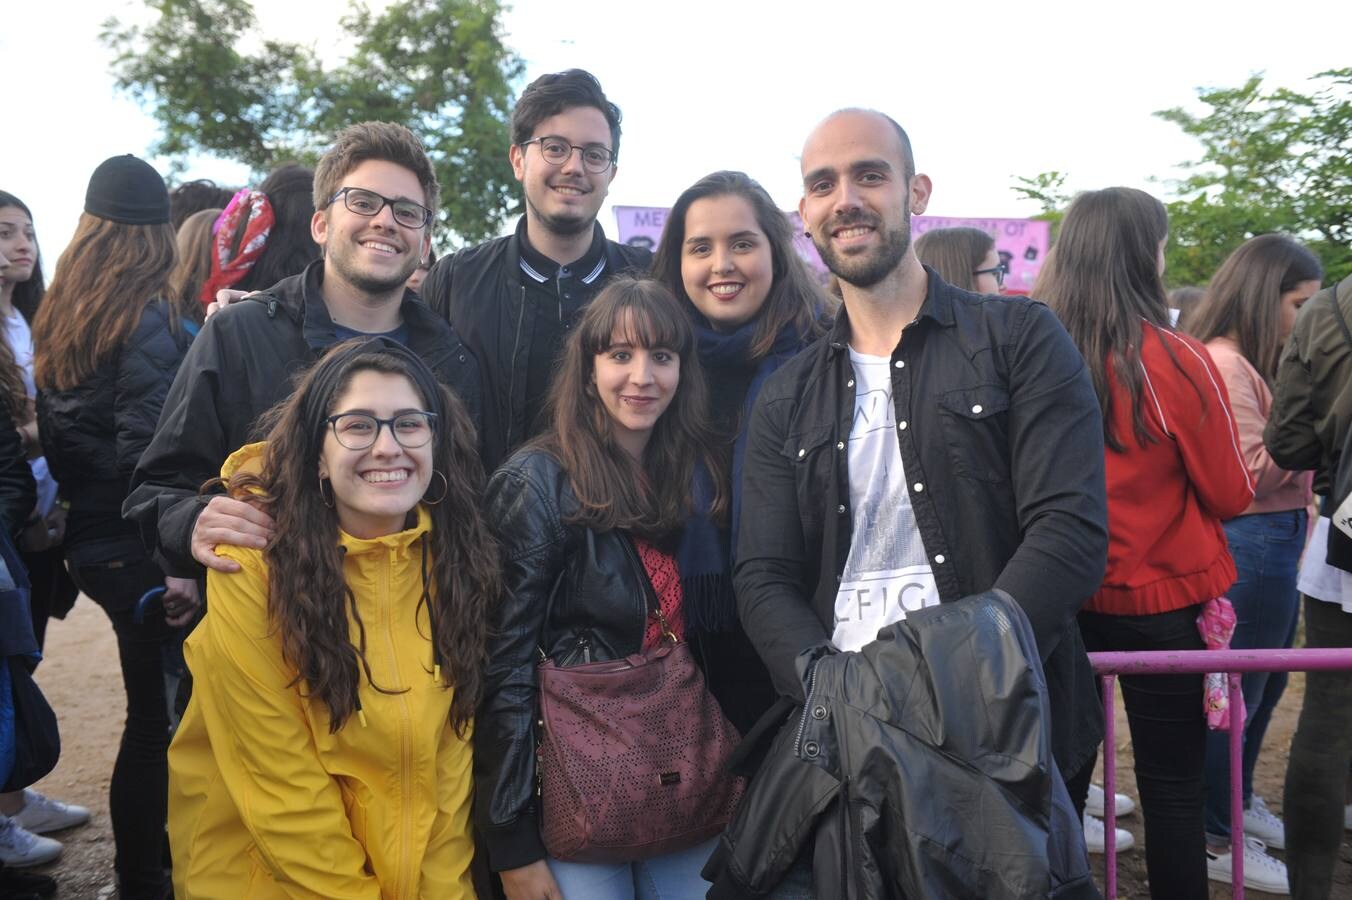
(603, 519)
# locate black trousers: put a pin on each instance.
(138, 795)
(1320, 753)
(1168, 739)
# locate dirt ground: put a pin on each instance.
(80, 677)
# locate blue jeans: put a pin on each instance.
(1266, 548)
(671, 877)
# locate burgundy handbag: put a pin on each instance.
(632, 757)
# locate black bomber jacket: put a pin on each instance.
(480, 292)
(1002, 441)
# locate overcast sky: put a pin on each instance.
(987, 90)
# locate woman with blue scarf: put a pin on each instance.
(727, 254)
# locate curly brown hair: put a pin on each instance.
(306, 589)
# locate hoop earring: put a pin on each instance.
(445, 489)
(329, 500)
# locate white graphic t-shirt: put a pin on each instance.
(887, 572)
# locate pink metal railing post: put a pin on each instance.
(1236, 790)
(1183, 662)
(1109, 790)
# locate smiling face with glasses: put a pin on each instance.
(375, 228)
(376, 461)
(565, 169)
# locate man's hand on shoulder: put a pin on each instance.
(227, 521)
(224, 297)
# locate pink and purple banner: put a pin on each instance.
(1021, 243)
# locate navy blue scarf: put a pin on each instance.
(704, 557)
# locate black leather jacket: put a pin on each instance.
(902, 779)
(580, 595)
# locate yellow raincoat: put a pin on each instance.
(264, 802)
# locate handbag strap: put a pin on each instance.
(654, 603)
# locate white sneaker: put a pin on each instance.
(20, 848)
(1261, 872)
(1260, 822)
(42, 814)
(1095, 835)
(1093, 805)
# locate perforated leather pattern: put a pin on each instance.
(632, 758)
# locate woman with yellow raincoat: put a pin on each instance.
(326, 750)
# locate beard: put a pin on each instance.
(867, 268)
(564, 225)
(369, 282)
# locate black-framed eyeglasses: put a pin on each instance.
(359, 431)
(999, 271)
(369, 203)
(596, 158)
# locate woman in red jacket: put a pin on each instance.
(1174, 472)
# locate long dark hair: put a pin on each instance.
(1102, 280)
(25, 298)
(306, 590)
(651, 498)
(794, 299)
(27, 295)
(106, 276)
(955, 253)
(289, 248)
(1243, 300)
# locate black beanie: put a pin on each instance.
(127, 190)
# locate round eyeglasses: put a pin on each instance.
(596, 158)
(359, 431)
(369, 203)
(999, 271)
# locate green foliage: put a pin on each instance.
(438, 66)
(1277, 160)
(1048, 189)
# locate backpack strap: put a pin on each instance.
(1338, 313)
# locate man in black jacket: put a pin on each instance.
(375, 199)
(514, 298)
(935, 445)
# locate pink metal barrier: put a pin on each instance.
(1182, 662)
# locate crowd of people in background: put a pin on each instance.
(359, 515)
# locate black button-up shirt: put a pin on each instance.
(1002, 441)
